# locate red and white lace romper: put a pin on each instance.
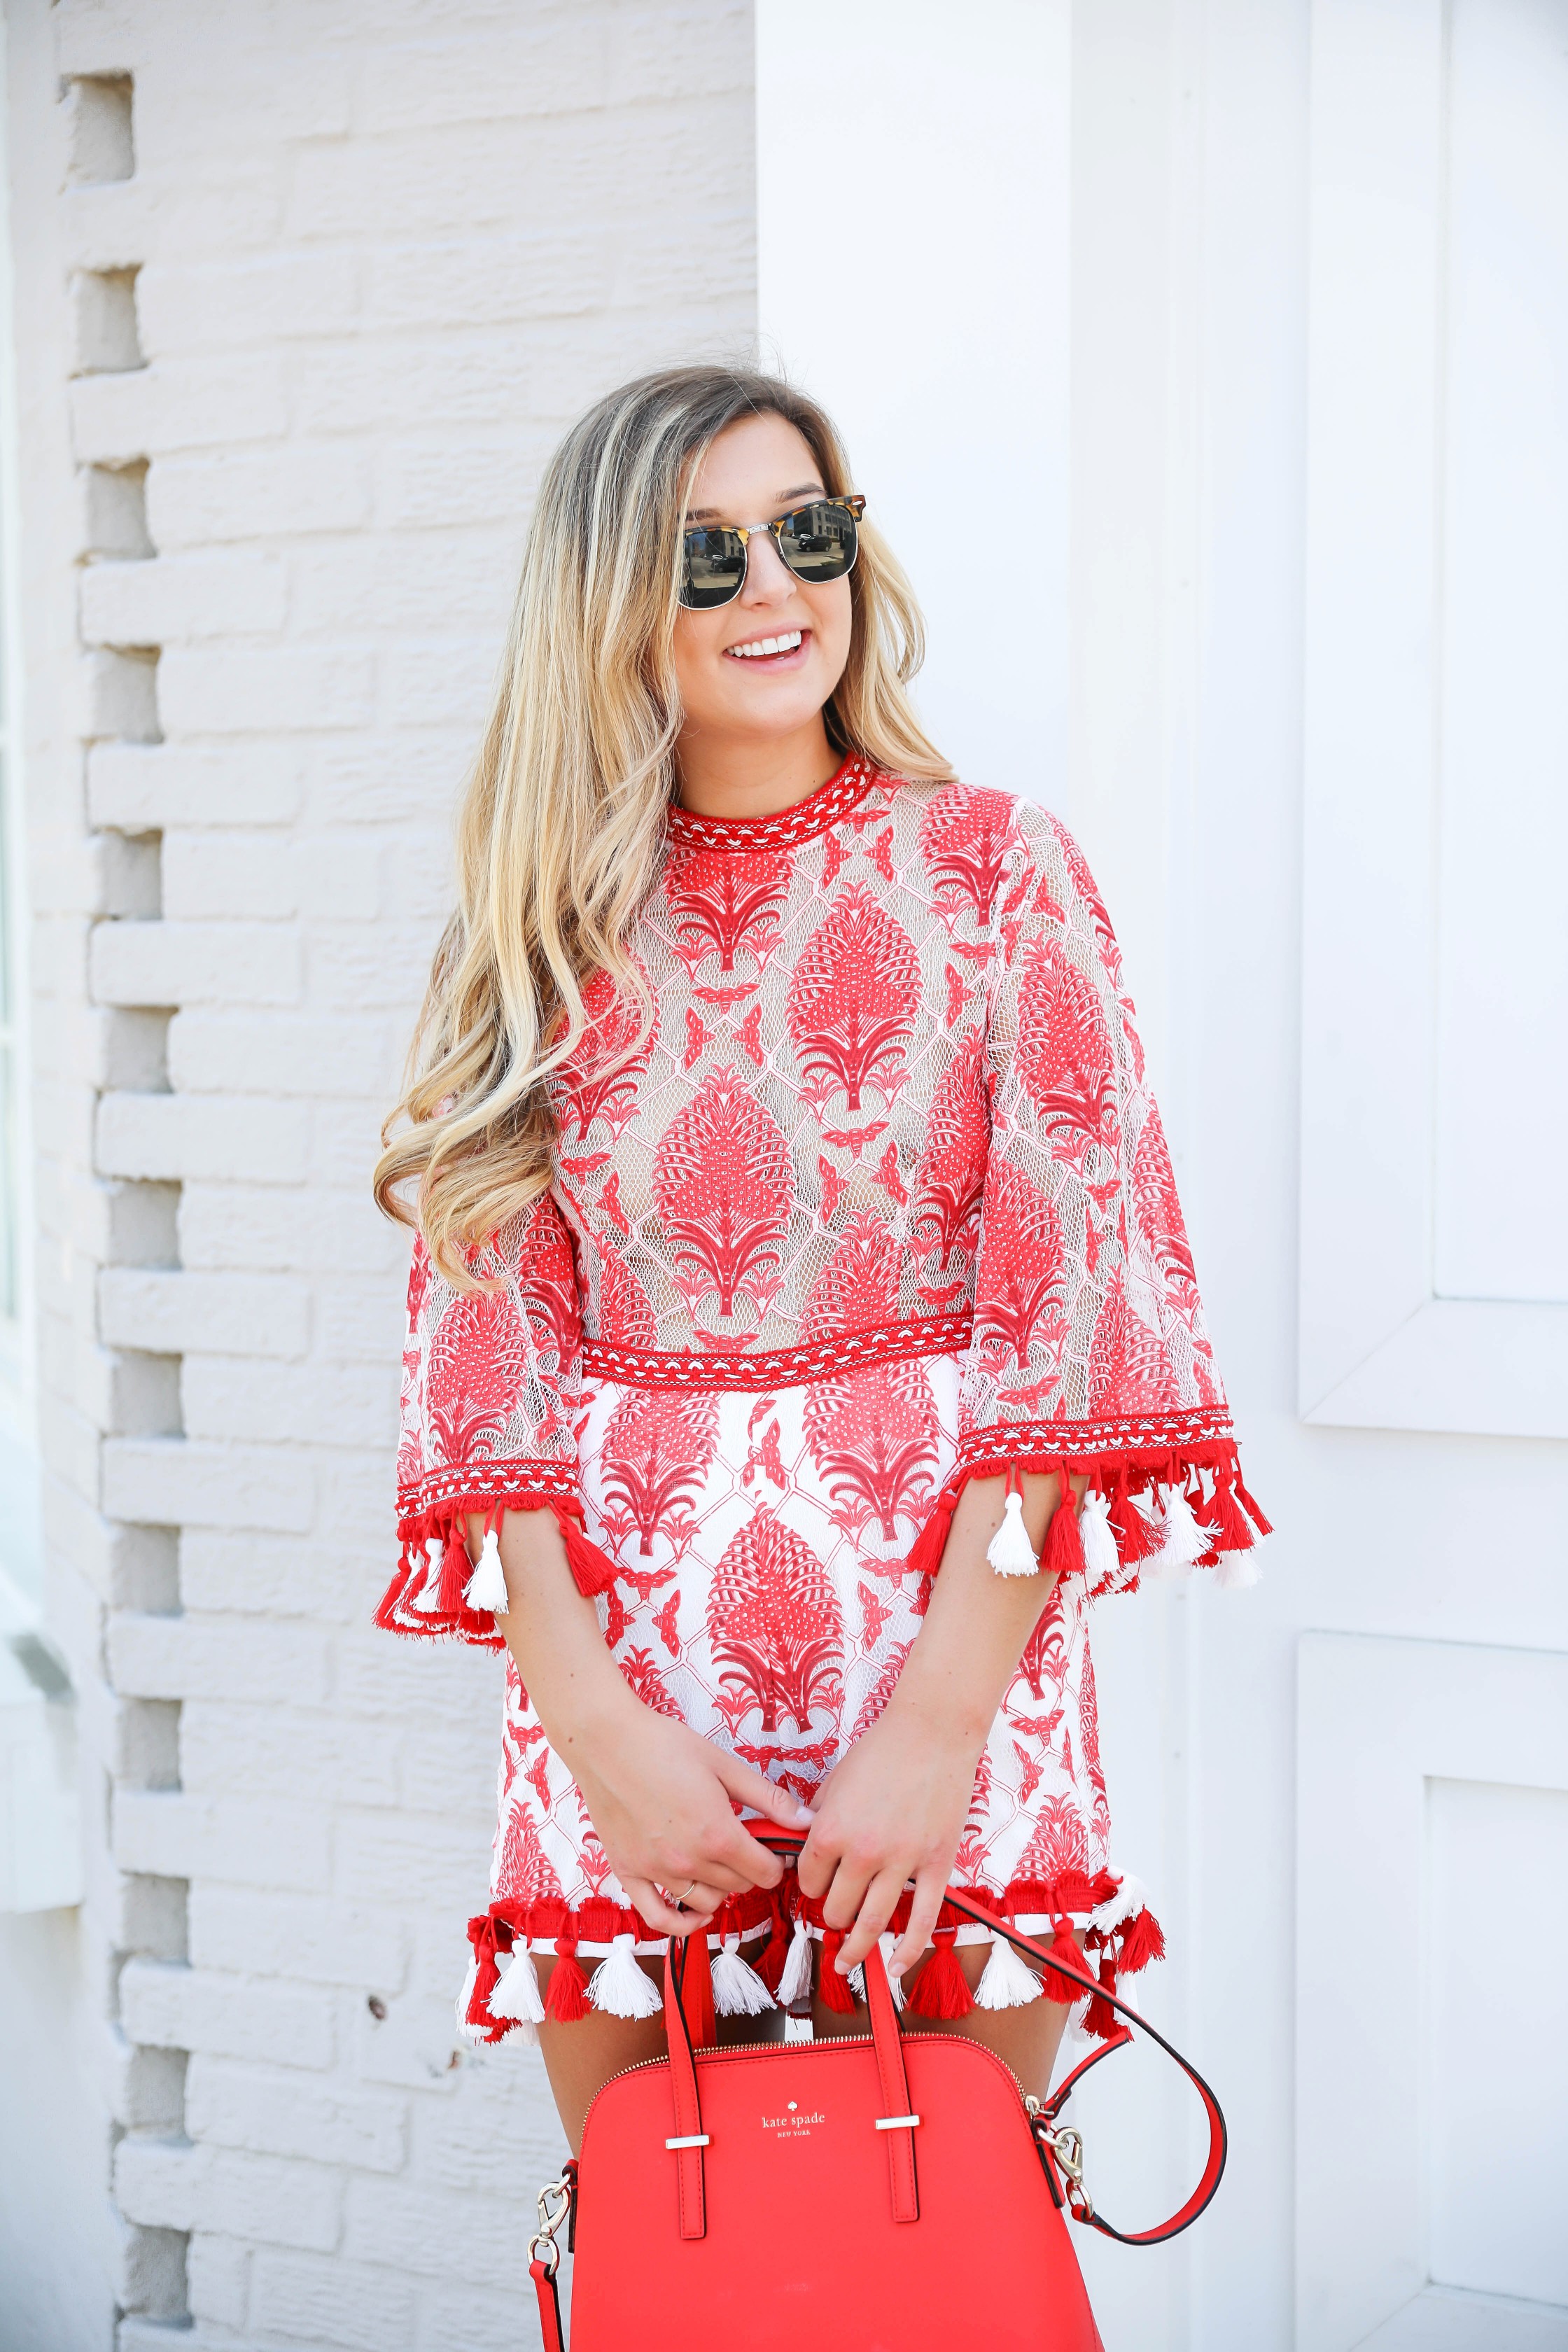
(882, 1203)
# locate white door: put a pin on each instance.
(1249, 323)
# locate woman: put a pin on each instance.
(799, 1271)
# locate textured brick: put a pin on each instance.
(230, 2105)
(150, 785)
(175, 2185)
(359, 2307)
(251, 1842)
(230, 1396)
(290, 489)
(313, 1939)
(220, 1053)
(244, 693)
(170, 1137)
(194, 963)
(177, 2008)
(238, 1314)
(373, 268)
(166, 1480)
(179, 600)
(189, 1657)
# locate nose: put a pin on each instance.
(769, 580)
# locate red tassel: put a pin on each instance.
(834, 1988)
(1143, 1940)
(566, 1999)
(1059, 1988)
(593, 1571)
(1135, 1536)
(1099, 2018)
(488, 1936)
(405, 1588)
(770, 1966)
(925, 1555)
(1062, 1552)
(1250, 1507)
(941, 1989)
(456, 1570)
(1230, 1530)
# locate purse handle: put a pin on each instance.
(1059, 2159)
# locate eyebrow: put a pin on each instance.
(802, 490)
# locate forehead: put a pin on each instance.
(751, 468)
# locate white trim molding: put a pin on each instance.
(1377, 1720)
(1379, 1346)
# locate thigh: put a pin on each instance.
(580, 2058)
(1027, 2039)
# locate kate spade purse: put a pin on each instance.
(893, 2192)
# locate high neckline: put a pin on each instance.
(817, 813)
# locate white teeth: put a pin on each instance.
(759, 645)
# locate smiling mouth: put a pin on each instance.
(767, 653)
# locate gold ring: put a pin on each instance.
(681, 1899)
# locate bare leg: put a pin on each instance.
(580, 2059)
(1024, 2039)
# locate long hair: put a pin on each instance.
(561, 825)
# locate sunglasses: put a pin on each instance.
(817, 543)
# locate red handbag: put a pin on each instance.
(740, 2195)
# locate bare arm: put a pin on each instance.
(658, 1794)
(894, 1808)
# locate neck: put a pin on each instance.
(730, 776)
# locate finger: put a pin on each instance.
(818, 1858)
(873, 1916)
(841, 1903)
(659, 1916)
(924, 1911)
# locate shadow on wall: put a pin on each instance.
(56, 2228)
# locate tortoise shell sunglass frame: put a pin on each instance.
(817, 541)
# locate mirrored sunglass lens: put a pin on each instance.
(821, 541)
(715, 567)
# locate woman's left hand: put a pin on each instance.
(892, 1810)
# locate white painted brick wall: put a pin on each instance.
(369, 262)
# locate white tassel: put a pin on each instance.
(796, 1983)
(1182, 1542)
(1130, 1897)
(738, 1989)
(516, 1997)
(1010, 1552)
(895, 1984)
(1101, 1560)
(1007, 1982)
(1236, 1569)
(430, 1591)
(487, 1586)
(619, 1987)
(856, 1980)
(472, 2034)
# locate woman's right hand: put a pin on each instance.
(660, 1797)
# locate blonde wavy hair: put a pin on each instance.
(561, 825)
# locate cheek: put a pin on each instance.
(832, 620)
(697, 657)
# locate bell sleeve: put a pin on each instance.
(1089, 1353)
(491, 1386)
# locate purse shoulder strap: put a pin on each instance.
(1072, 2193)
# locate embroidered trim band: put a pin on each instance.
(1144, 1442)
(475, 1486)
(826, 807)
(779, 1368)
